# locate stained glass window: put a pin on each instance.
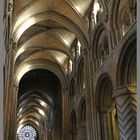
(27, 133)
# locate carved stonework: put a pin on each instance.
(126, 112)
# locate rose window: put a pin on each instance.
(27, 133)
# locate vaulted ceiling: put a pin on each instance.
(47, 29)
(45, 32)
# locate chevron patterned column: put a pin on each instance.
(126, 111)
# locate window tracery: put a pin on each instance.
(27, 133)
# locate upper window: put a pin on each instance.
(97, 11)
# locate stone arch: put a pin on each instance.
(40, 64)
(82, 36)
(101, 48)
(106, 109)
(126, 69)
(39, 79)
(125, 93)
(103, 82)
(41, 95)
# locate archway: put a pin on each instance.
(125, 94)
(39, 103)
(106, 110)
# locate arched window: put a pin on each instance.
(97, 11)
(128, 66)
(78, 48)
(125, 21)
(27, 132)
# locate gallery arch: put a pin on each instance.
(127, 90)
(106, 111)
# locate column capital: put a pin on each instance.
(124, 90)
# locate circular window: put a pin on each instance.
(27, 133)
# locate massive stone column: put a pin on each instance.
(126, 111)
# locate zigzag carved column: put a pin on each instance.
(126, 110)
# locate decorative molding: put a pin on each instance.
(126, 111)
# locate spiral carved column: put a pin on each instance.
(126, 110)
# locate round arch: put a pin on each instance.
(43, 64)
(100, 40)
(104, 84)
(126, 68)
(106, 109)
(82, 36)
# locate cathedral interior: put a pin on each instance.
(70, 70)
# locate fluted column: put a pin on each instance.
(126, 111)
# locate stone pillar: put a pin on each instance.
(126, 111)
(65, 114)
(10, 97)
(88, 93)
